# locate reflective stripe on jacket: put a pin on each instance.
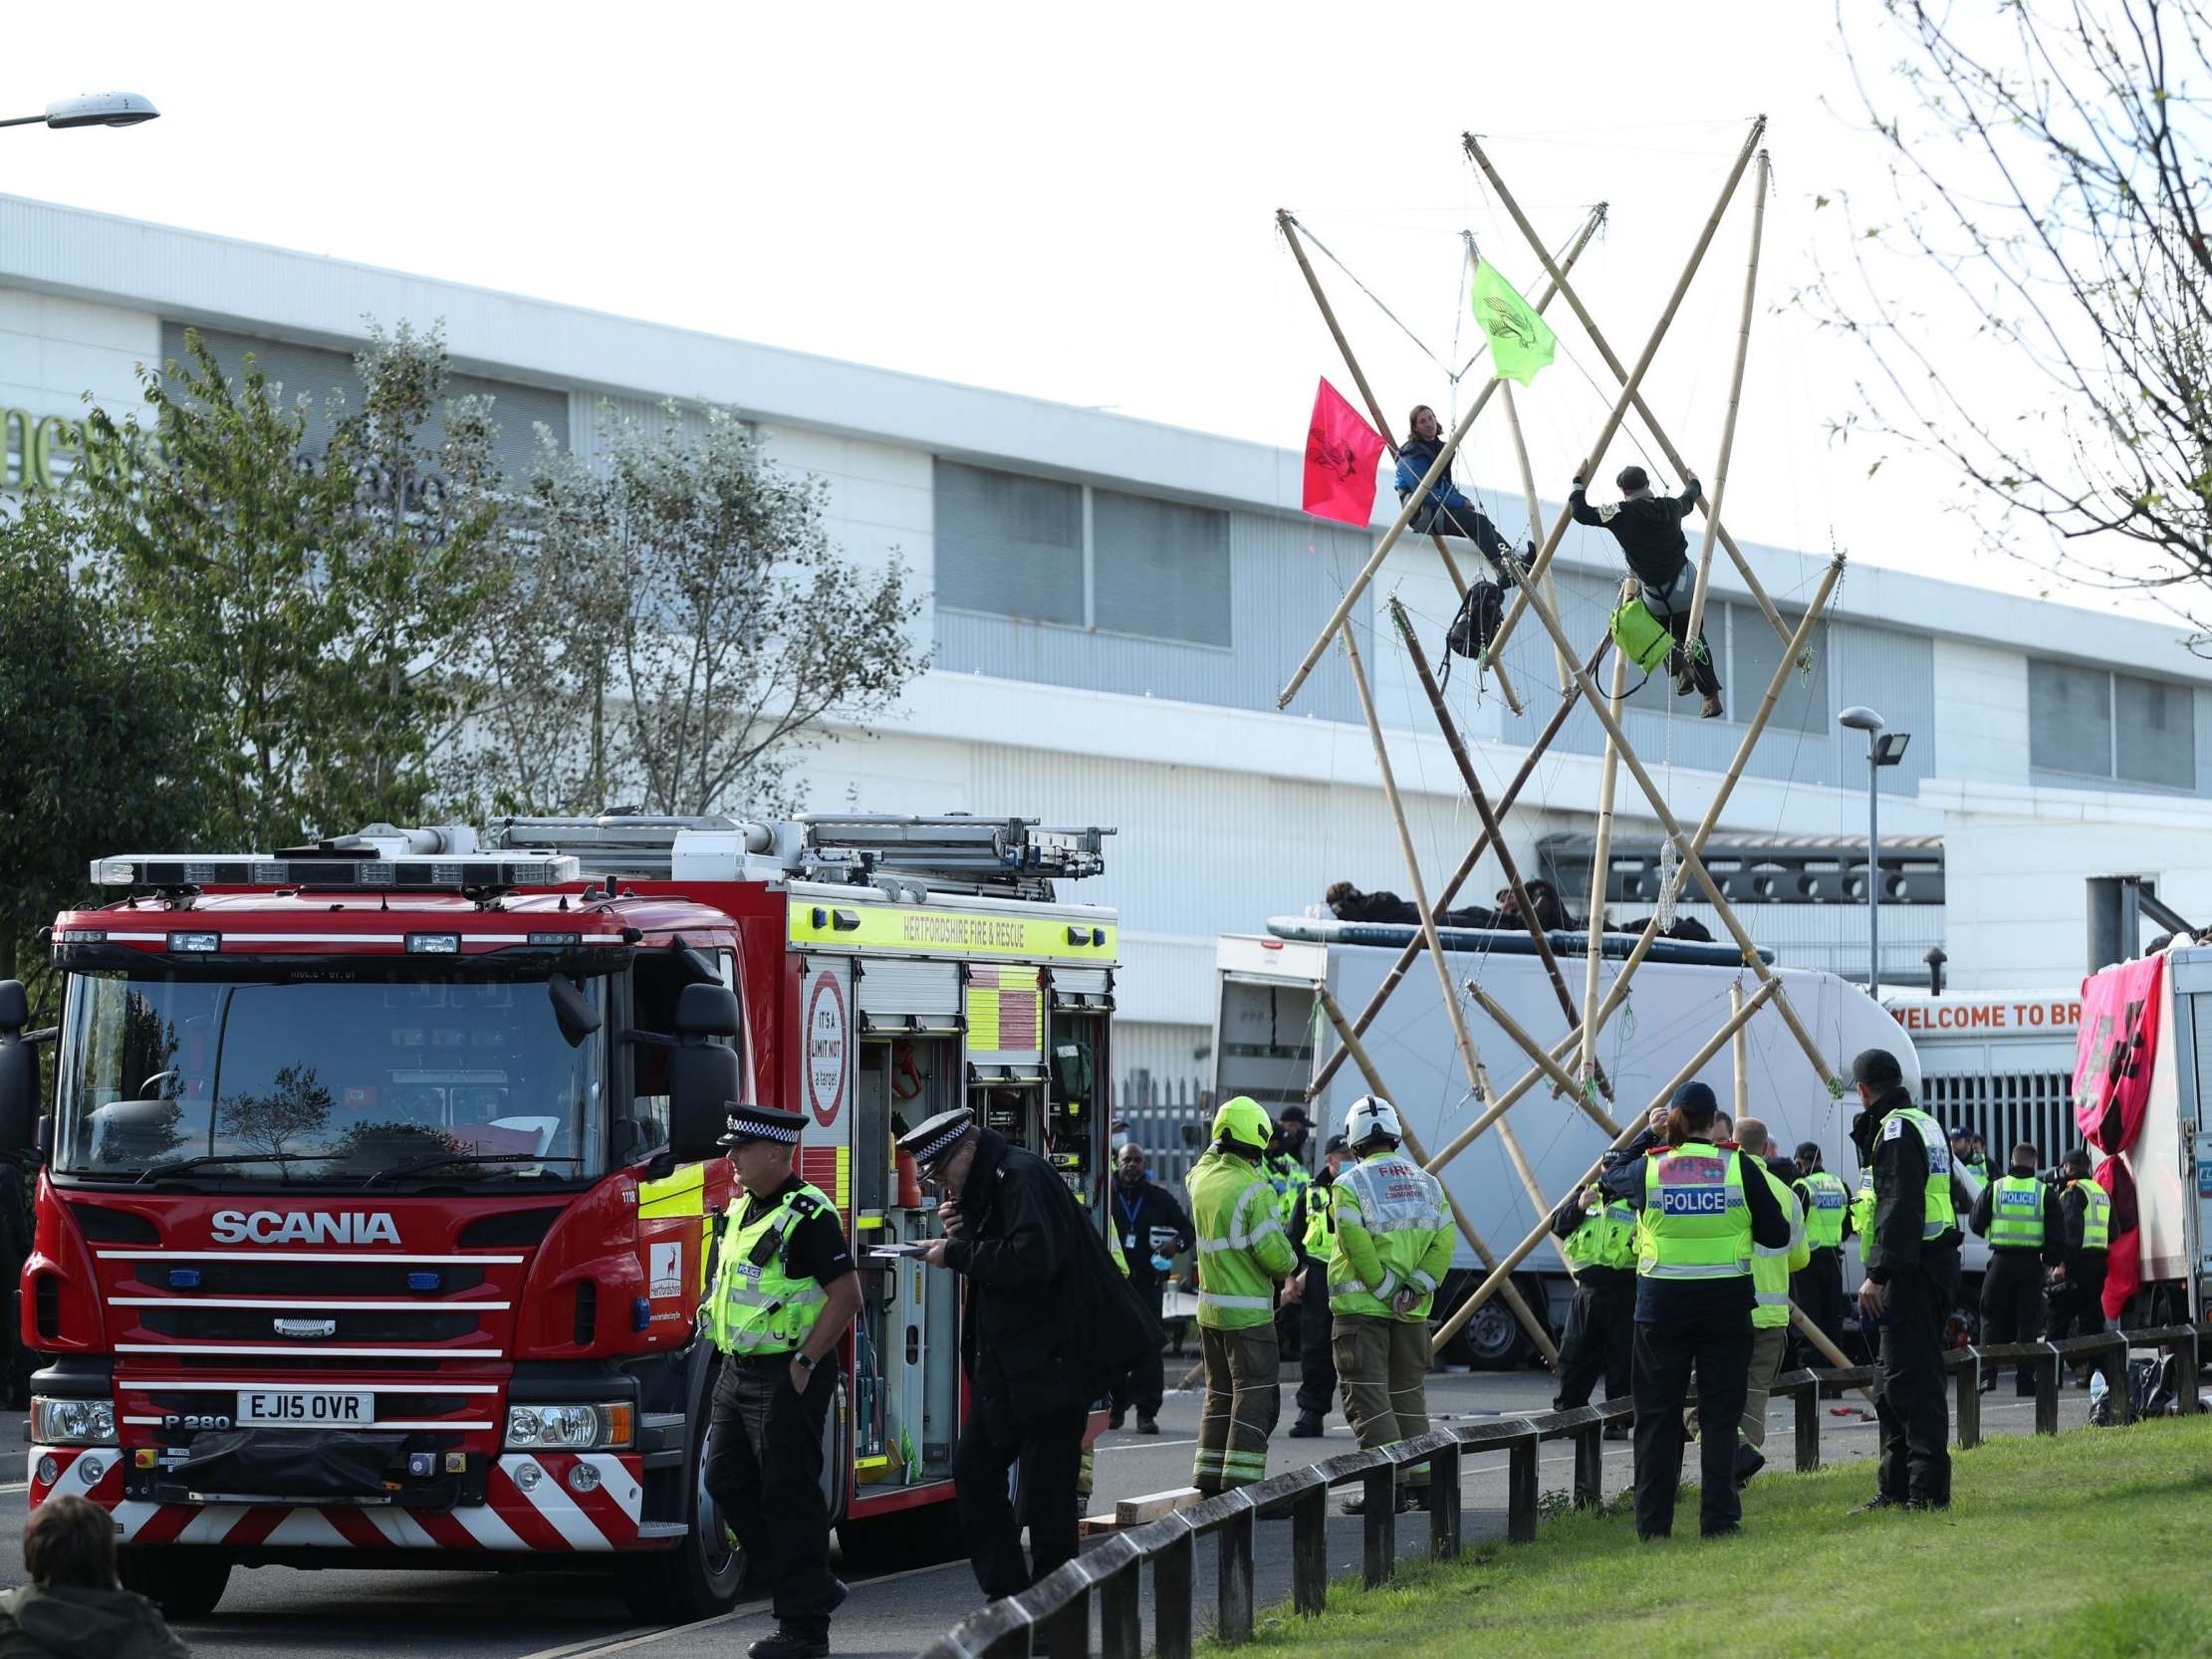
(1938, 1215)
(1607, 1238)
(1694, 1223)
(2096, 1216)
(1242, 1248)
(1394, 1232)
(1824, 1223)
(2016, 1212)
(1771, 1266)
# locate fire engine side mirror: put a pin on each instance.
(19, 1070)
(702, 1073)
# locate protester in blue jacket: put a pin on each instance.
(1445, 512)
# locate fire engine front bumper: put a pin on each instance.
(544, 1502)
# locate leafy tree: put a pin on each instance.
(294, 1110)
(2036, 308)
(312, 603)
(676, 629)
(97, 755)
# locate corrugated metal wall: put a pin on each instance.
(1285, 577)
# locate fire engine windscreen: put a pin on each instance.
(329, 1083)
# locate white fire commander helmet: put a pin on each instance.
(1372, 1115)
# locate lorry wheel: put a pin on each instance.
(1493, 1339)
(183, 1584)
(699, 1577)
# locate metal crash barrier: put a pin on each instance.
(1054, 1617)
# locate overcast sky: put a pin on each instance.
(1076, 205)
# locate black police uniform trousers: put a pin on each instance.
(2012, 1305)
(1316, 1360)
(1719, 1345)
(1600, 1338)
(764, 1471)
(1909, 1400)
(1144, 1384)
(1047, 1448)
(2078, 1301)
(1817, 1290)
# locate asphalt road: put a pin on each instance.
(282, 1610)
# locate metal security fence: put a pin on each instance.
(1157, 1110)
(1054, 1615)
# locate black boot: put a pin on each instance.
(789, 1644)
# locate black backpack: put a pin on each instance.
(1481, 614)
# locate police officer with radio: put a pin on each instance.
(784, 1292)
(1701, 1211)
(2019, 1215)
(1911, 1247)
(1817, 1288)
(2086, 1225)
(1598, 1234)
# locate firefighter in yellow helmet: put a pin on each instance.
(1243, 1254)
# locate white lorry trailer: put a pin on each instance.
(1271, 1039)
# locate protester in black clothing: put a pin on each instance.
(1543, 898)
(1153, 1228)
(2012, 1284)
(1313, 1234)
(1817, 1288)
(1014, 1233)
(1912, 1280)
(1686, 1321)
(1348, 904)
(1649, 529)
(2078, 1291)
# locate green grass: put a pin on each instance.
(2086, 1545)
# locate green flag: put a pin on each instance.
(1520, 341)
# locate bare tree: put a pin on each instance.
(677, 630)
(2035, 299)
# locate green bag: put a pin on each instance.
(1644, 640)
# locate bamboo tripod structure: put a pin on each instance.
(1568, 1064)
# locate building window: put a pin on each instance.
(1754, 652)
(1010, 545)
(2091, 722)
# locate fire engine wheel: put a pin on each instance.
(700, 1576)
(185, 1583)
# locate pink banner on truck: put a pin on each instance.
(2113, 1053)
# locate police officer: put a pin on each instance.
(1818, 1289)
(2085, 1223)
(1599, 1236)
(1313, 1231)
(1771, 1270)
(1243, 1254)
(784, 1291)
(1286, 1160)
(1969, 1168)
(1147, 1231)
(1700, 1211)
(2019, 1216)
(1393, 1244)
(1911, 1249)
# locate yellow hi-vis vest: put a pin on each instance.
(1938, 1214)
(1771, 1266)
(1607, 1238)
(755, 1306)
(1823, 1222)
(2016, 1212)
(1289, 1178)
(1242, 1248)
(1390, 1211)
(1694, 1223)
(1321, 1220)
(2096, 1220)
(1863, 1205)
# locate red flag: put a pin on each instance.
(1341, 452)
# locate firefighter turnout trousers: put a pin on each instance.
(764, 1472)
(1382, 1365)
(1242, 1400)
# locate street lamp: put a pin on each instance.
(92, 109)
(1883, 749)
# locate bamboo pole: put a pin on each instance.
(1490, 821)
(1440, 466)
(1605, 351)
(1534, 507)
(1460, 1219)
(1517, 1034)
(1520, 1252)
(1633, 380)
(1478, 1080)
(1739, 1054)
(1496, 1108)
(1735, 395)
(1521, 776)
(1691, 862)
(1287, 223)
(1600, 874)
(1618, 993)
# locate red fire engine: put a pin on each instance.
(380, 1180)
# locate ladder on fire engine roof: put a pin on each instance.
(953, 853)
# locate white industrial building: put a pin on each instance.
(1117, 605)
